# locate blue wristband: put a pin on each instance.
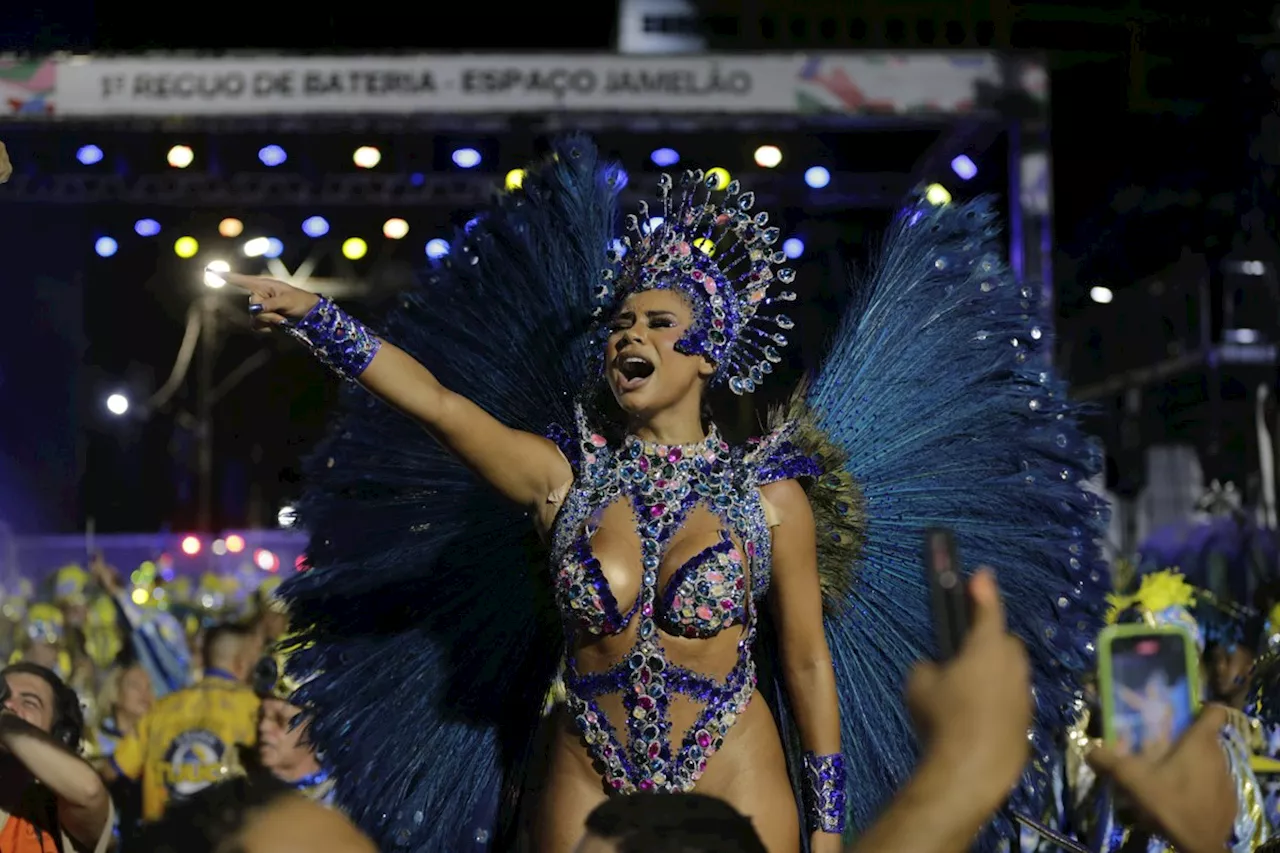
(824, 781)
(337, 339)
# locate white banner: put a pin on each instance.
(874, 84)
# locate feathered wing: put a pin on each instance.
(935, 408)
(427, 636)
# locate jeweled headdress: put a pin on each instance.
(718, 255)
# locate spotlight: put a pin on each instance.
(230, 227)
(353, 248)
(257, 247)
(213, 273)
(272, 155)
(117, 404)
(395, 229)
(315, 226)
(937, 195)
(515, 179)
(186, 247)
(287, 516)
(105, 247)
(274, 248)
(266, 560)
(219, 547)
(793, 247)
(89, 154)
(721, 176)
(437, 248)
(466, 158)
(235, 543)
(817, 177)
(965, 168)
(664, 157)
(1101, 295)
(139, 596)
(146, 228)
(366, 157)
(191, 545)
(181, 156)
(768, 156)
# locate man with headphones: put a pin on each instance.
(51, 800)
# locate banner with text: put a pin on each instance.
(866, 84)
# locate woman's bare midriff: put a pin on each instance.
(749, 772)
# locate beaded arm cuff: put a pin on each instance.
(824, 778)
(337, 339)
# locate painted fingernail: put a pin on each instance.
(255, 309)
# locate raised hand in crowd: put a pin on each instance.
(1184, 792)
(973, 714)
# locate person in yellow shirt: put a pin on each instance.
(192, 738)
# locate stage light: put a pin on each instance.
(181, 156)
(105, 247)
(219, 547)
(213, 273)
(937, 195)
(793, 247)
(139, 596)
(117, 404)
(395, 229)
(366, 157)
(437, 248)
(650, 226)
(817, 177)
(274, 248)
(965, 168)
(89, 154)
(272, 155)
(191, 545)
(664, 157)
(235, 543)
(315, 226)
(257, 247)
(721, 176)
(230, 227)
(266, 560)
(146, 228)
(515, 179)
(768, 156)
(353, 248)
(287, 516)
(186, 247)
(466, 158)
(1101, 295)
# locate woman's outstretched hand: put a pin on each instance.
(271, 302)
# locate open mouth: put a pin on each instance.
(633, 370)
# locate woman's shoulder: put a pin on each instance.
(779, 455)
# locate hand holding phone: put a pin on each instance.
(946, 591)
(1148, 679)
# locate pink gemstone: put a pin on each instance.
(598, 440)
(647, 610)
(659, 484)
(616, 783)
(645, 675)
(697, 275)
(735, 555)
(710, 287)
(654, 749)
(704, 612)
(646, 785)
(646, 703)
(674, 455)
(657, 510)
(682, 249)
(717, 323)
(726, 604)
(751, 549)
(704, 739)
(643, 463)
(677, 602)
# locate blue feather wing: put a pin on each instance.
(428, 635)
(938, 396)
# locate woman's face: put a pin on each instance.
(135, 692)
(645, 372)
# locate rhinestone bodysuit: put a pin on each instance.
(716, 589)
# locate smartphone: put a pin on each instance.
(946, 591)
(1149, 684)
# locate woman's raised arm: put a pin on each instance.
(524, 467)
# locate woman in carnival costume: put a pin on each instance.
(687, 576)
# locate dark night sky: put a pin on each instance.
(1099, 148)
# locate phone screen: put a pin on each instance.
(1152, 691)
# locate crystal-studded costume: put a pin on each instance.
(434, 630)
